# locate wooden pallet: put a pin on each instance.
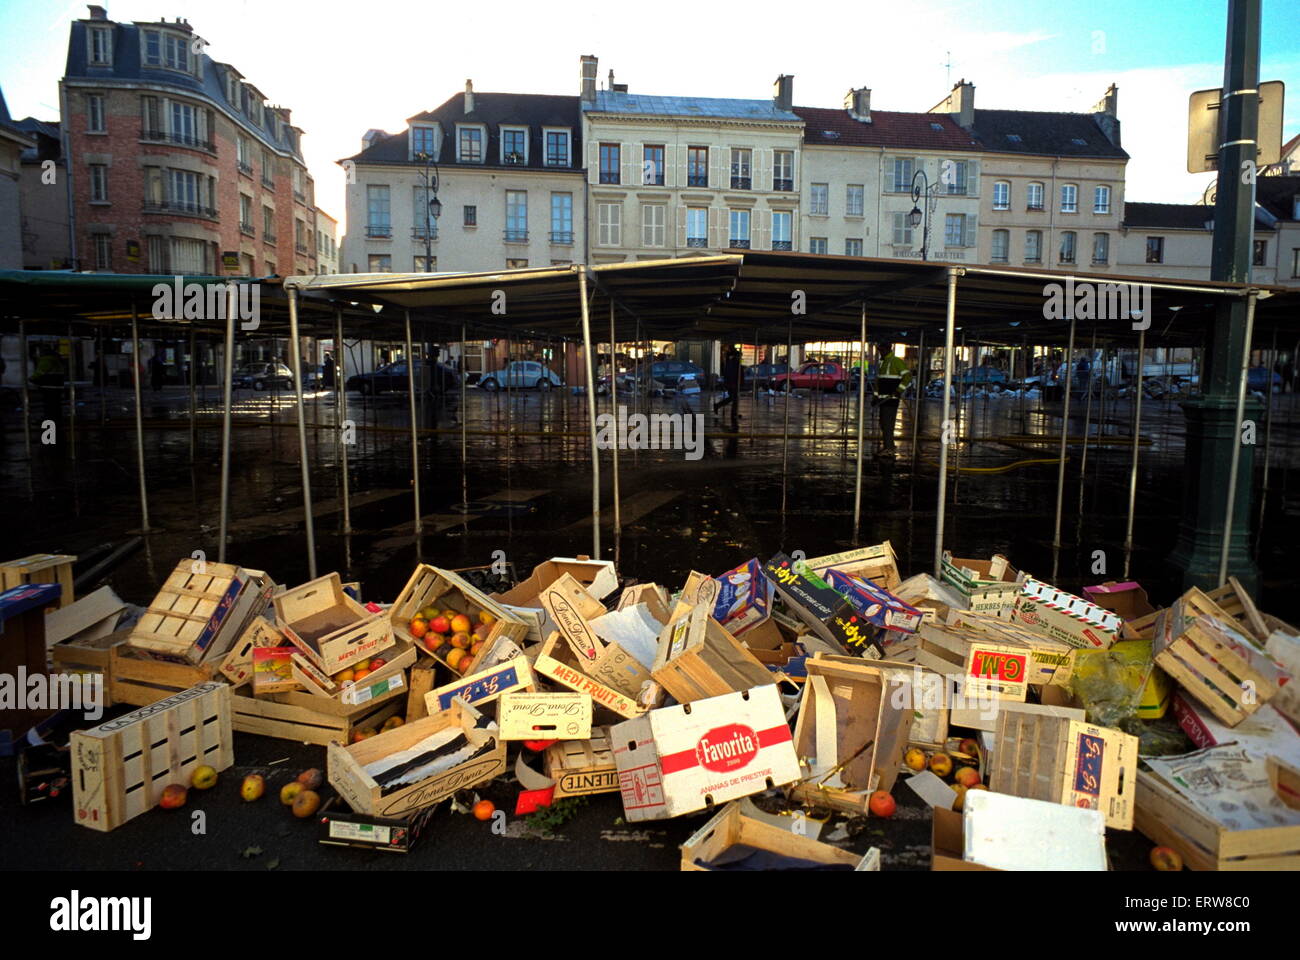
(1190, 648)
(582, 767)
(134, 678)
(92, 656)
(698, 658)
(1166, 818)
(308, 719)
(120, 768)
(40, 568)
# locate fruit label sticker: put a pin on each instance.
(1087, 767)
(482, 687)
(996, 665)
(551, 716)
(572, 624)
(364, 693)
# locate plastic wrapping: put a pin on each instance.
(1109, 683)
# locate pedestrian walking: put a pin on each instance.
(731, 386)
(892, 377)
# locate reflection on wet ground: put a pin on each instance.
(524, 486)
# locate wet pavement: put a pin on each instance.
(527, 495)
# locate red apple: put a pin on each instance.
(439, 624)
(882, 804)
(173, 796)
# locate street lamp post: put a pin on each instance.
(432, 207)
(921, 189)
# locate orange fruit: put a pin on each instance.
(460, 624)
(345, 676)
(484, 809)
(360, 675)
(419, 628)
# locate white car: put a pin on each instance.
(521, 374)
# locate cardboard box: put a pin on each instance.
(1265, 733)
(94, 616)
(1050, 663)
(582, 767)
(698, 658)
(1014, 833)
(200, 611)
(328, 626)
(877, 564)
(555, 661)
(743, 598)
(988, 585)
(273, 670)
(875, 604)
(1064, 617)
(1128, 600)
(344, 828)
(677, 760)
(572, 609)
(1065, 761)
(446, 590)
(850, 704)
(599, 579)
(466, 745)
(483, 687)
(811, 599)
(1285, 649)
(238, 663)
(948, 843)
(987, 720)
(544, 716)
(732, 837)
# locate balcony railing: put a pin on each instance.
(514, 159)
(697, 180)
(738, 244)
(184, 140)
(182, 207)
(379, 231)
(516, 236)
(609, 176)
(780, 244)
(300, 196)
(301, 248)
(1035, 207)
(245, 168)
(560, 161)
(268, 237)
(424, 233)
(247, 228)
(562, 237)
(696, 242)
(782, 184)
(739, 183)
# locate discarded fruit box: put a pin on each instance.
(238, 663)
(1233, 600)
(387, 671)
(304, 718)
(810, 598)
(572, 610)
(120, 768)
(328, 626)
(1170, 818)
(948, 843)
(451, 595)
(1127, 600)
(484, 687)
(139, 679)
(988, 585)
(988, 716)
(676, 760)
(877, 563)
(93, 617)
(1192, 644)
(742, 598)
(875, 604)
(1018, 833)
(544, 716)
(698, 658)
(40, 568)
(200, 611)
(582, 767)
(1266, 732)
(854, 721)
(91, 657)
(555, 661)
(273, 671)
(346, 828)
(733, 841)
(599, 579)
(980, 666)
(1065, 761)
(417, 764)
(1064, 617)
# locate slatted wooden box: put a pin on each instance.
(40, 568)
(1166, 818)
(582, 767)
(120, 768)
(391, 674)
(91, 656)
(306, 719)
(1211, 666)
(698, 659)
(198, 613)
(731, 828)
(328, 626)
(430, 586)
(137, 679)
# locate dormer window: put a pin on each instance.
(162, 48)
(99, 41)
(514, 146)
(469, 144)
(424, 141)
(557, 148)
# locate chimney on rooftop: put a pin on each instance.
(1106, 114)
(469, 96)
(588, 88)
(97, 12)
(858, 103)
(783, 92)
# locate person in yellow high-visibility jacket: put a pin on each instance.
(892, 377)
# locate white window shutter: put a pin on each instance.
(972, 226)
(973, 178)
(718, 158)
(593, 162)
(715, 227)
(681, 225)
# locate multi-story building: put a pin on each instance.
(13, 143)
(44, 187)
(1051, 183)
(177, 163)
(508, 179)
(859, 167)
(327, 243)
(681, 176)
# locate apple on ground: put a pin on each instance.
(253, 787)
(173, 796)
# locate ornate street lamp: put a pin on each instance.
(921, 188)
(433, 208)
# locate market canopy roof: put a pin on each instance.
(738, 296)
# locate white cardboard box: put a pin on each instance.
(681, 759)
(1013, 833)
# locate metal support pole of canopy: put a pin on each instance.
(591, 413)
(1133, 465)
(1065, 430)
(228, 363)
(945, 428)
(340, 385)
(862, 418)
(27, 399)
(139, 419)
(1251, 296)
(415, 433)
(295, 354)
(72, 395)
(1087, 415)
(613, 410)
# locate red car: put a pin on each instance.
(814, 376)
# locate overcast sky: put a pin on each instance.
(343, 67)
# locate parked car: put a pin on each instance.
(982, 374)
(1256, 377)
(393, 378)
(521, 374)
(666, 373)
(262, 376)
(763, 373)
(814, 376)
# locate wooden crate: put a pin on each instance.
(40, 568)
(136, 679)
(120, 768)
(731, 827)
(1190, 647)
(1043, 756)
(1166, 818)
(392, 671)
(486, 758)
(544, 716)
(698, 658)
(92, 656)
(447, 591)
(571, 608)
(582, 767)
(327, 625)
(196, 604)
(238, 663)
(556, 662)
(1233, 600)
(308, 719)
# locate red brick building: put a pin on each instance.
(177, 163)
